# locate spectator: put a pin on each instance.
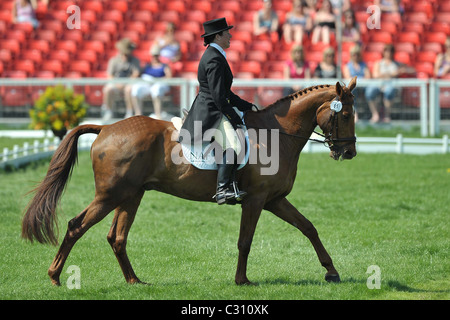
(386, 68)
(356, 67)
(324, 23)
(155, 69)
(310, 8)
(170, 48)
(123, 65)
(390, 6)
(265, 21)
(442, 63)
(296, 68)
(297, 23)
(350, 30)
(24, 11)
(327, 67)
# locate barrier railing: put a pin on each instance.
(427, 100)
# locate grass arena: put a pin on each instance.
(383, 218)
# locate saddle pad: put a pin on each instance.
(202, 157)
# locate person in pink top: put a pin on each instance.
(24, 11)
(296, 68)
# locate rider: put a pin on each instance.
(213, 107)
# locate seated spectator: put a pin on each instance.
(390, 6)
(296, 68)
(123, 65)
(297, 23)
(139, 91)
(170, 48)
(356, 67)
(310, 8)
(386, 68)
(442, 63)
(350, 29)
(265, 21)
(327, 67)
(324, 23)
(24, 11)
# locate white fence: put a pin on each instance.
(428, 99)
(19, 156)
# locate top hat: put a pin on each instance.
(215, 26)
(125, 46)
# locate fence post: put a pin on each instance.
(15, 151)
(445, 144)
(399, 143)
(26, 146)
(36, 146)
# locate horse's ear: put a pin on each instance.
(352, 84)
(339, 89)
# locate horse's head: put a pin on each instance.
(336, 118)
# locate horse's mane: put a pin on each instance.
(298, 94)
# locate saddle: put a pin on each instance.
(204, 157)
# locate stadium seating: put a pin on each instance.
(418, 35)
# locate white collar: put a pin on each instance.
(215, 45)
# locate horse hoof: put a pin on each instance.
(332, 278)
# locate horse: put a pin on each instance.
(133, 155)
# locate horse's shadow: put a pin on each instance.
(390, 284)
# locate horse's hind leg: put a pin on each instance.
(117, 236)
(286, 211)
(76, 228)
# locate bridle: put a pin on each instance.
(329, 140)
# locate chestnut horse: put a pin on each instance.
(134, 155)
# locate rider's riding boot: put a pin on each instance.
(227, 190)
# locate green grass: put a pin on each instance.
(377, 209)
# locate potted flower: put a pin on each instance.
(58, 109)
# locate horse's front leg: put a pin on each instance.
(251, 210)
(286, 211)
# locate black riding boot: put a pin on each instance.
(227, 190)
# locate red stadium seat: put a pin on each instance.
(149, 6)
(26, 66)
(202, 5)
(424, 69)
(426, 56)
(73, 35)
(442, 17)
(119, 5)
(16, 96)
(411, 37)
(12, 45)
(55, 66)
(438, 37)
(113, 15)
(93, 5)
(32, 55)
(253, 67)
(444, 98)
(259, 56)
(83, 67)
(141, 16)
(174, 5)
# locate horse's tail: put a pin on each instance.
(39, 222)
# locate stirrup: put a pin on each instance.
(229, 196)
(238, 195)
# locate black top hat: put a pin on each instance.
(215, 26)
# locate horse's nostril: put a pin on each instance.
(348, 154)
